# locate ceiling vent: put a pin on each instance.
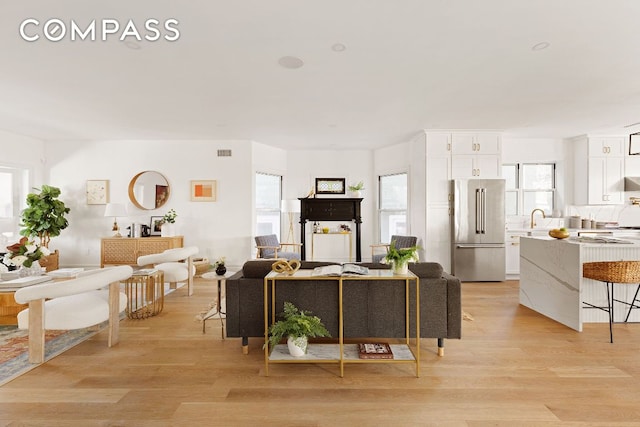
(224, 153)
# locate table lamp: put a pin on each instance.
(115, 210)
(290, 206)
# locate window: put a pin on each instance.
(529, 186)
(14, 183)
(268, 195)
(393, 206)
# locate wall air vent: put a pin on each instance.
(224, 153)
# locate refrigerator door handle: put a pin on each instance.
(483, 193)
(478, 211)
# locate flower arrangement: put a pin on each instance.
(219, 262)
(24, 253)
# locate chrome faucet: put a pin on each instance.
(533, 223)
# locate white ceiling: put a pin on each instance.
(408, 65)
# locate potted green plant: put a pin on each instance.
(400, 258)
(298, 326)
(44, 216)
(167, 224)
(356, 189)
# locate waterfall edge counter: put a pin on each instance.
(551, 281)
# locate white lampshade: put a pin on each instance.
(290, 205)
(115, 210)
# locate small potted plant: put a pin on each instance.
(167, 224)
(356, 189)
(400, 258)
(298, 326)
(220, 266)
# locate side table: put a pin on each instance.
(145, 293)
(218, 309)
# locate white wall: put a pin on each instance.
(220, 228)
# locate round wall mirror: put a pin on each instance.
(149, 190)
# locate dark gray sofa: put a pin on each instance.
(371, 308)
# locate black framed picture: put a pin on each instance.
(155, 225)
(330, 185)
(634, 144)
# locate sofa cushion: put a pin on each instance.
(427, 270)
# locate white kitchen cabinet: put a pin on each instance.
(453, 155)
(476, 143)
(476, 166)
(512, 251)
(606, 146)
(599, 170)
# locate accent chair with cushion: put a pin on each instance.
(176, 264)
(402, 242)
(269, 248)
(88, 300)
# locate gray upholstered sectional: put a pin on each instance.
(372, 309)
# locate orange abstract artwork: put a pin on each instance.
(203, 191)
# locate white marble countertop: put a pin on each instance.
(626, 241)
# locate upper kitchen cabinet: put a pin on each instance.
(476, 143)
(606, 146)
(476, 167)
(599, 170)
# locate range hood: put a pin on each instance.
(632, 183)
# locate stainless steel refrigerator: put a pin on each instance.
(478, 248)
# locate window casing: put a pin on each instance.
(529, 186)
(268, 196)
(393, 202)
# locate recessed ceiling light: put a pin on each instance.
(290, 62)
(338, 47)
(541, 46)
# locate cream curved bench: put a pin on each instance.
(176, 264)
(72, 304)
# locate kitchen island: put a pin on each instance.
(551, 281)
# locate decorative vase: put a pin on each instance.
(221, 270)
(34, 270)
(297, 346)
(168, 229)
(400, 268)
(356, 194)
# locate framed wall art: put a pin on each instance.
(330, 185)
(204, 191)
(155, 225)
(634, 144)
(97, 191)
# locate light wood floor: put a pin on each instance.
(512, 367)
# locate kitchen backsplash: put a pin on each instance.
(625, 215)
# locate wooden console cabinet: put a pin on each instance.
(126, 250)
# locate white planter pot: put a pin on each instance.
(297, 346)
(401, 268)
(356, 194)
(168, 229)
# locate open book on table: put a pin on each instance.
(341, 270)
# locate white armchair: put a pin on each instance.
(176, 264)
(72, 304)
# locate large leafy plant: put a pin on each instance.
(296, 323)
(44, 216)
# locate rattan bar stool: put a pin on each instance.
(612, 272)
